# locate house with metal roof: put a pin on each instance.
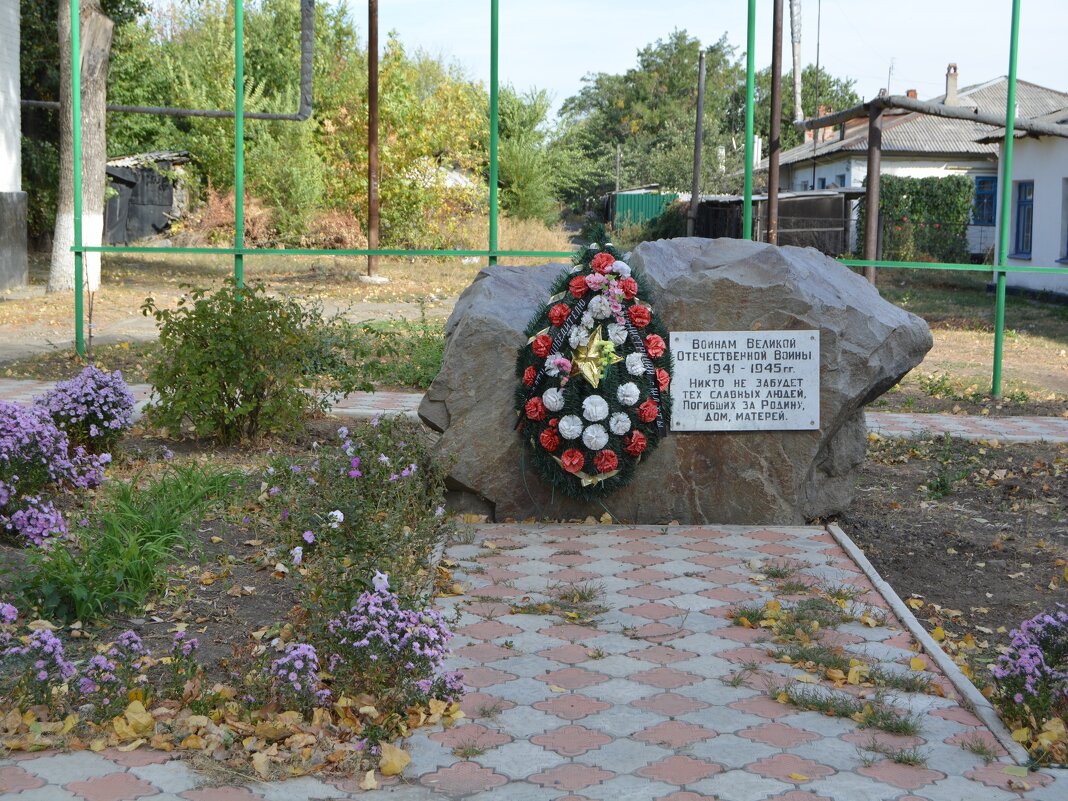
(918, 146)
(1038, 214)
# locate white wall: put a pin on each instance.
(1044, 161)
(10, 145)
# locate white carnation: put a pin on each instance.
(619, 424)
(594, 408)
(635, 364)
(621, 268)
(600, 307)
(595, 437)
(617, 333)
(570, 426)
(553, 399)
(579, 336)
(628, 393)
(587, 319)
(551, 368)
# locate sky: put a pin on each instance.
(552, 44)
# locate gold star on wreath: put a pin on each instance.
(594, 357)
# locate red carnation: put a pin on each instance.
(606, 461)
(646, 412)
(549, 440)
(654, 346)
(559, 313)
(529, 375)
(639, 315)
(634, 443)
(629, 287)
(535, 409)
(577, 286)
(573, 460)
(602, 263)
(662, 379)
(542, 344)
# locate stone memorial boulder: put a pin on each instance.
(866, 345)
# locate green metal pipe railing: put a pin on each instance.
(750, 89)
(1006, 199)
(239, 144)
(493, 252)
(76, 179)
(494, 110)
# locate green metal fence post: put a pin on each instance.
(76, 149)
(1006, 200)
(494, 111)
(750, 81)
(239, 143)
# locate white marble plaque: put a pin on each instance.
(745, 381)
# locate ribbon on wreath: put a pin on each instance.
(559, 339)
(650, 373)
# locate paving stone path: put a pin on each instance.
(890, 424)
(661, 698)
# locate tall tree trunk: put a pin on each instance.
(96, 30)
(795, 41)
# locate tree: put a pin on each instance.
(96, 31)
(649, 113)
(830, 92)
(525, 177)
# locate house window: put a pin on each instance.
(1025, 215)
(821, 183)
(840, 179)
(986, 203)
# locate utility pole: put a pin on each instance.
(698, 140)
(795, 40)
(619, 164)
(775, 131)
(372, 134)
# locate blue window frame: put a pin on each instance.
(1025, 216)
(986, 203)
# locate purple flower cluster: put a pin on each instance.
(382, 648)
(1034, 671)
(37, 666)
(94, 408)
(36, 455)
(108, 678)
(295, 677)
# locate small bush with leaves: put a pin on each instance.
(372, 501)
(239, 362)
(94, 408)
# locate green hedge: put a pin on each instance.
(924, 219)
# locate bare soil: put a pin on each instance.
(979, 533)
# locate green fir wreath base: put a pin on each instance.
(589, 483)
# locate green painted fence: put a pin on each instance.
(641, 207)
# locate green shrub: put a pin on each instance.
(372, 501)
(119, 555)
(237, 363)
(400, 353)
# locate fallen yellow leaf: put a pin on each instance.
(556, 688)
(938, 634)
(262, 763)
(393, 760)
(799, 777)
(917, 663)
(368, 782)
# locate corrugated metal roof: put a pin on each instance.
(911, 133)
(153, 156)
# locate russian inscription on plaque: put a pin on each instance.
(746, 380)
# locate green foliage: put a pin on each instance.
(371, 508)
(399, 353)
(526, 188)
(627, 236)
(924, 219)
(235, 363)
(818, 88)
(648, 112)
(121, 554)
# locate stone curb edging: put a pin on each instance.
(982, 708)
